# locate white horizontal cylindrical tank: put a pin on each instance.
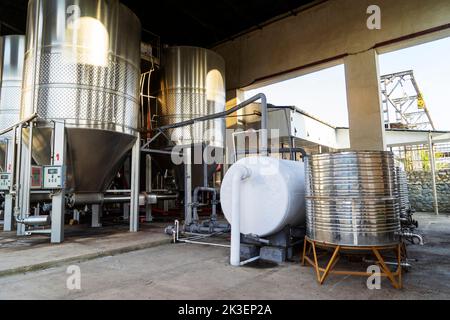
(272, 197)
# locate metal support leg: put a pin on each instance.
(25, 172)
(76, 215)
(16, 171)
(8, 216)
(126, 211)
(134, 203)
(205, 167)
(58, 199)
(8, 207)
(187, 186)
(148, 185)
(96, 214)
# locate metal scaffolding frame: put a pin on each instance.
(403, 103)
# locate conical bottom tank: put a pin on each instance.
(82, 68)
(93, 157)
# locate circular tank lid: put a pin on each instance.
(264, 197)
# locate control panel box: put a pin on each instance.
(5, 181)
(54, 177)
(36, 177)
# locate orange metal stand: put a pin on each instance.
(310, 246)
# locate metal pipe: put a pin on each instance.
(14, 150)
(163, 196)
(99, 198)
(20, 123)
(176, 238)
(280, 150)
(195, 202)
(17, 173)
(38, 231)
(433, 173)
(413, 235)
(205, 169)
(35, 220)
(206, 243)
(235, 251)
(250, 260)
(157, 151)
(118, 191)
(223, 114)
(29, 163)
(122, 199)
(391, 263)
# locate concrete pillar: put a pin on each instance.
(364, 102)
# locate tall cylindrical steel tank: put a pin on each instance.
(272, 198)
(351, 199)
(82, 67)
(12, 49)
(192, 85)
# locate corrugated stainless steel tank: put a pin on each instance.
(403, 193)
(82, 67)
(12, 49)
(192, 85)
(352, 199)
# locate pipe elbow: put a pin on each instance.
(243, 172)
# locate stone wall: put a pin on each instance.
(421, 192)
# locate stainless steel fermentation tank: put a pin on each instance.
(192, 85)
(82, 68)
(352, 199)
(12, 49)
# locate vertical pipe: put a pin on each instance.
(27, 176)
(25, 172)
(433, 173)
(17, 171)
(11, 157)
(8, 207)
(148, 187)
(126, 211)
(264, 128)
(205, 167)
(235, 250)
(187, 186)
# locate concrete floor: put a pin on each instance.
(22, 254)
(187, 271)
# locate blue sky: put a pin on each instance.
(323, 93)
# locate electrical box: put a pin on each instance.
(5, 181)
(54, 177)
(36, 177)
